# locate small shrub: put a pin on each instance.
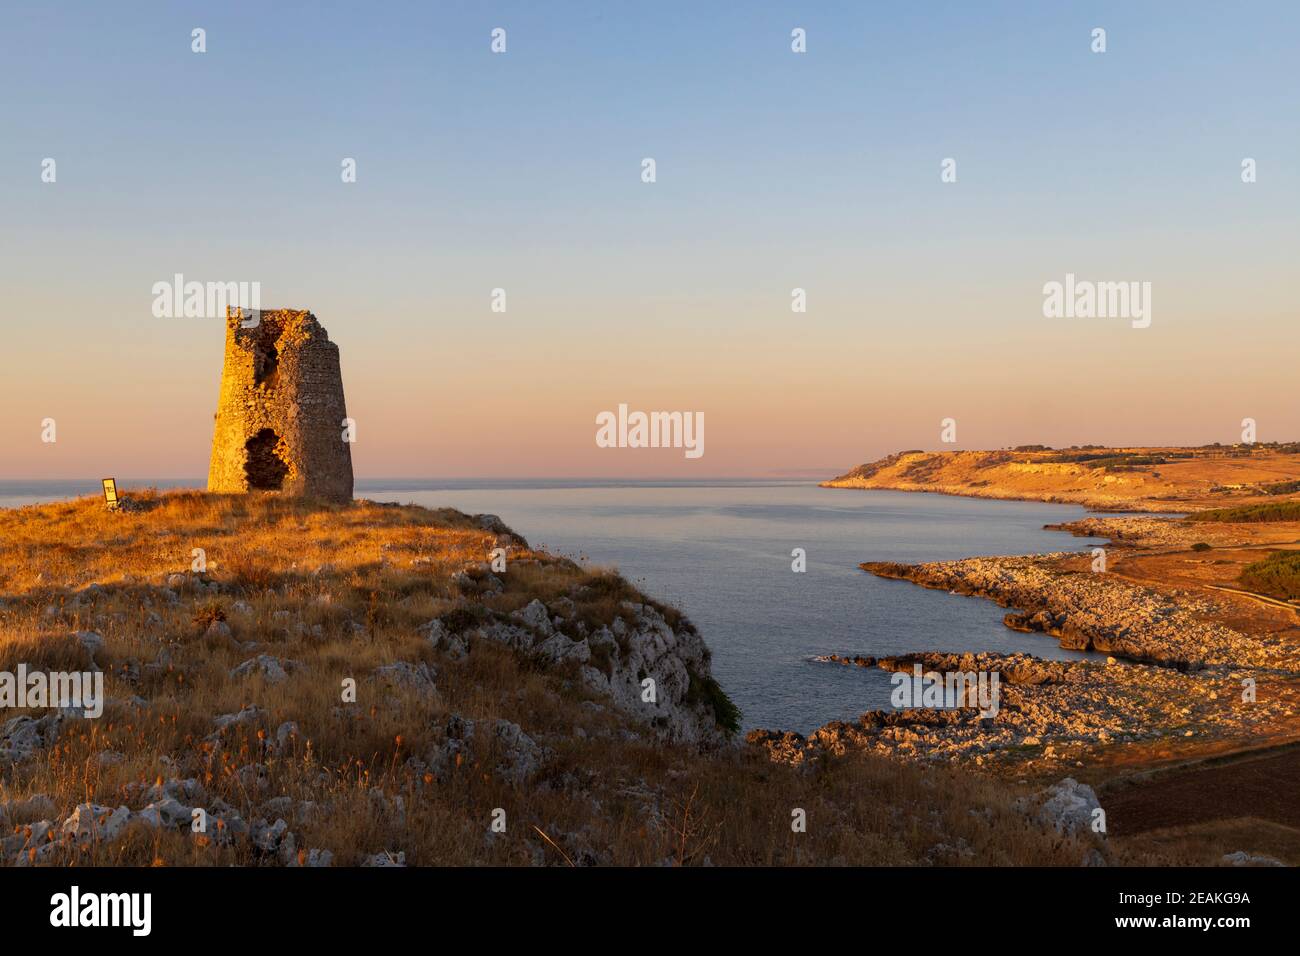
(609, 584)
(1251, 514)
(1281, 488)
(710, 692)
(464, 617)
(602, 658)
(250, 574)
(1278, 575)
(209, 614)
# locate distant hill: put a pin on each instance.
(1167, 479)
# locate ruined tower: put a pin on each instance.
(280, 417)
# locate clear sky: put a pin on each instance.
(775, 170)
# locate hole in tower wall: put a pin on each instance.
(266, 361)
(263, 465)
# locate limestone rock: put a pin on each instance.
(312, 858)
(166, 814)
(1068, 807)
(1242, 858)
(536, 616)
(518, 756)
(407, 676)
(268, 836)
(385, 859)
(15, 811)
(21, 737)
(91, 822)
(437, 634)
(273, 670)
(249, 715)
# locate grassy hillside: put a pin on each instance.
(227, 693)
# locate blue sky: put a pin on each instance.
(775, 170)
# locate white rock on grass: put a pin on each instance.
(166, 814)
(21, 737)
(518, 755)
(1242, 858)
(536, 616)
(520, 638)
(176, 788)
(313, 858)
(268, 836)
(249, 715)
(515, 755)
(559, 648)
(614, 661)
(407, 676)
(37, 805)
(1068, 807)
(273, 670)
(653, 648)
(436, 633)
(90, 822)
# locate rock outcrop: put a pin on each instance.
(650, 670)
(1096, 611)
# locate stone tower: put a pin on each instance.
(279, 421)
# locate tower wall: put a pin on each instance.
(279, 421)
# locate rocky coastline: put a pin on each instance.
(1188, 670)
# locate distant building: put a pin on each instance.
(280, 416)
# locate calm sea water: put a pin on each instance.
(721, 551)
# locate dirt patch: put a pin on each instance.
(1263, 788)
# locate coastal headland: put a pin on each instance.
(1155, 478)
(1197, 614)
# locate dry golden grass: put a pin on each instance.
(1206, 844)
(343, 589)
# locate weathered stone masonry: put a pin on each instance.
(279, 421)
